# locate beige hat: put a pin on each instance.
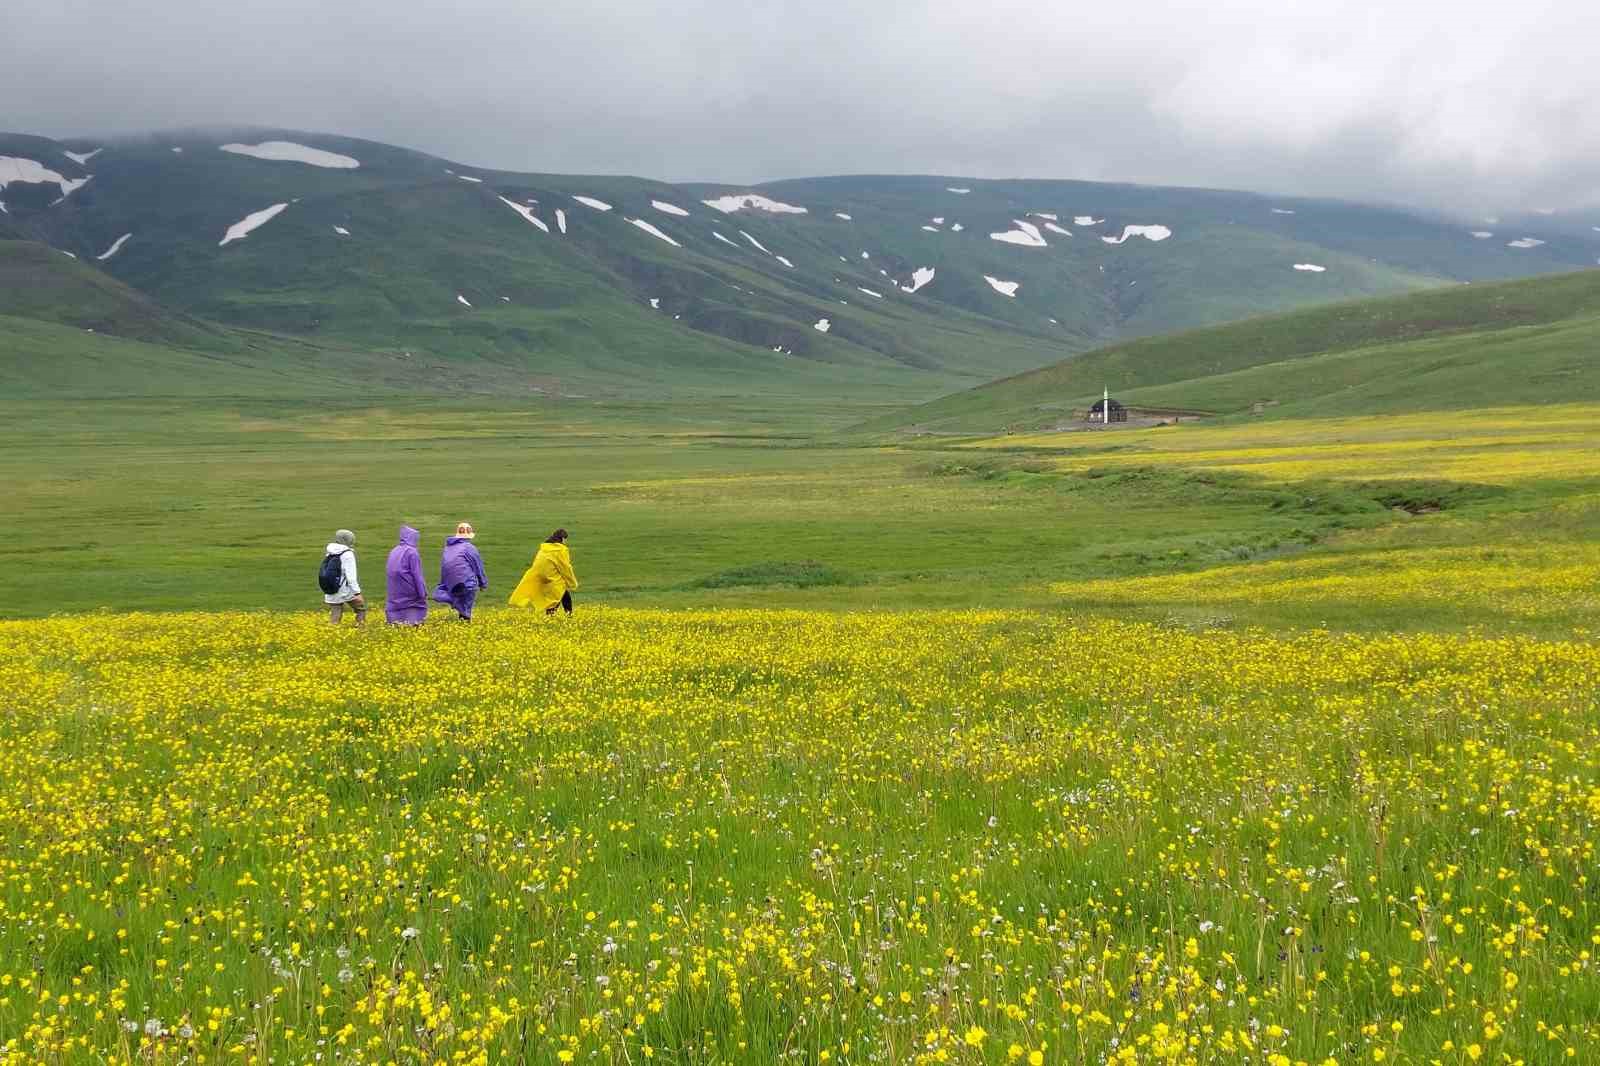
(464, 529)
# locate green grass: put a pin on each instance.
(1464, 346)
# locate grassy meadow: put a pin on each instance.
(1255, 741)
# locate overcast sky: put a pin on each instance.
(1461, 104)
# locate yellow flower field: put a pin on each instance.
(1491, 446)
(701, 837)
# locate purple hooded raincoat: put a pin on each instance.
(406, 603)
(461, 576)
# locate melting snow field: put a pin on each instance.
(957, 228)
(847, 218)
(1282, 211)
(116, 245)
(869, 292)
(589, 201)
(1482, 234)
(670, 209)
(655, 302)
(1149, 233)
(1086, 220)
(1004, 288)
(251, 222)
(1046, 215)
(784, 261)
(931, 229)
(1310, 268)
(525, 212)
(823, 325)
(29, 172)
(657, 234)
(469, 177)
(1053, 228)
(1026, 234)
(462, 300)
(752, 202)
(561, 220)
(958, 192)
(919, 277)
(290, 152)
(81, 158)
(753, 241)
(341, 231)
(723, 239)
(1524, 242)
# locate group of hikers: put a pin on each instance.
(547, 585)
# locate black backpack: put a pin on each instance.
(330, 575)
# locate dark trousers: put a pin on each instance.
(565, 604)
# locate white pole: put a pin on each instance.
(1105, 408)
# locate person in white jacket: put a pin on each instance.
(344, 546)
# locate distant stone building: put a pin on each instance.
(1098, 413)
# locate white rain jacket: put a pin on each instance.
(349, 587)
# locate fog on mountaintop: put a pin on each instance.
(1456, 104)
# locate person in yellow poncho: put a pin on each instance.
(549, 582)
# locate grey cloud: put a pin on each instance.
(1460, 104)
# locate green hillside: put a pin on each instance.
(1477, 345)
(617, 282)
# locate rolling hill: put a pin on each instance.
(922, 284)
(1529, 341)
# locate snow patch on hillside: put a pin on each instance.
(1310, 267)
(1004, 288)
(31, 172)
(957, 228)
(81, 158)
(341, 231)
(657, 234)
(1524, 242)
(178, 151)
(1046, 215)
(823, 325)
(723, 239)
(469, 177)
(847, 218)
(561, 220)
(919, 277)
(655, 302)
(958, 192)
(753, 241)
(869, 292)
(931, 229)
(251, 222)
(290, 152)
(670, 209)
(1053, 228)
(1026, 234)
(1282, 211)
(463, 301)
(1086, 220)
(1482, 234)
(116, 246)
(784, 261)
(1149, 233)
(937, 220)
(525, 212)
(752, 202)
(589, 201)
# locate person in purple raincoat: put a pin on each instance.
(461, 575)
(407, 601)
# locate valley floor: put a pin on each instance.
(1255, 741)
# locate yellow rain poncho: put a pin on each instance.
(547, 579)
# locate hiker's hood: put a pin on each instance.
(410, 536)
(335, 548)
